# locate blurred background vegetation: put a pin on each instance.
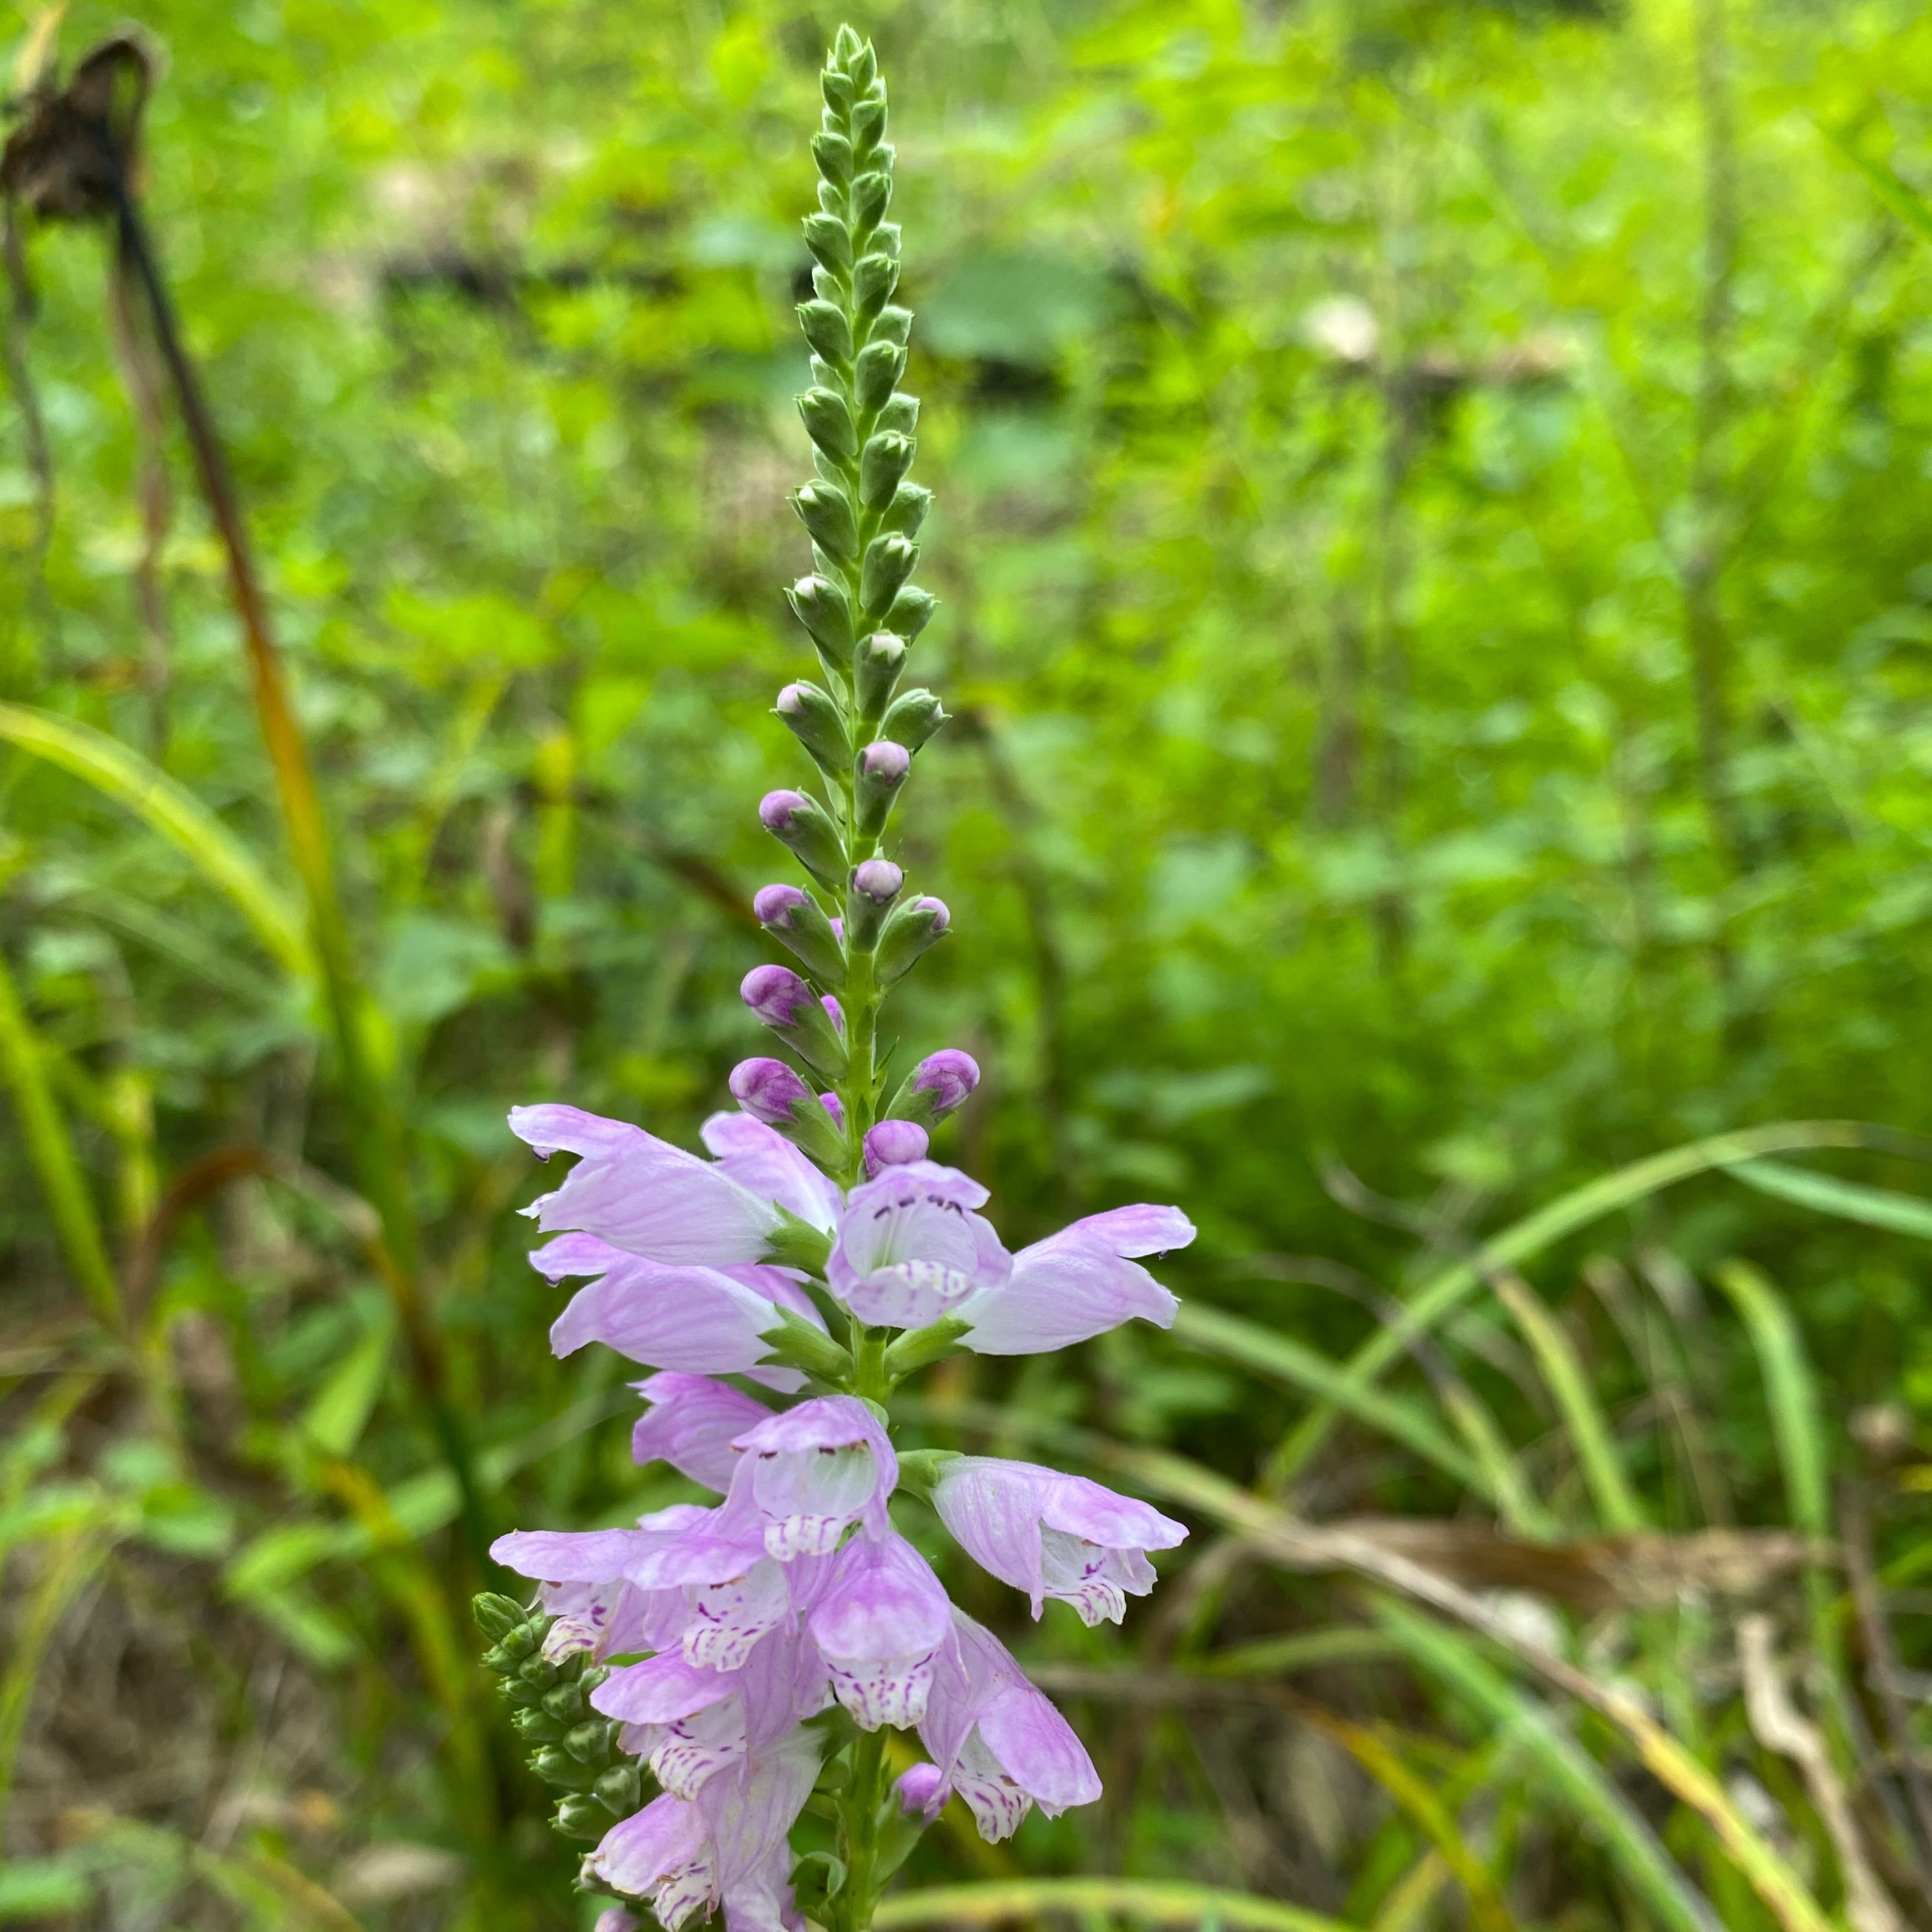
(1431, 512)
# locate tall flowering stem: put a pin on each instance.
(696, 1685)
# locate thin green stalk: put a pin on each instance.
(51, 1151)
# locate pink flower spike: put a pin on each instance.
(688, 1422)
(1078, 1283)
(881, 1625)
(911, 1248)
(1053, 1535)
(813, 1471)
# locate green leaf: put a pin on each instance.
(1870, 1206)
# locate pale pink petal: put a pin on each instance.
(881, 1626)
(763, 1162)
(813, 1470)
(689, 1423)
(911, 1247)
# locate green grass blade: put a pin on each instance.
(1564, 1216)
(1147, 1901)
(1870, 1206)
(1898, 194)
(1792, 1397)
(171, 810)
(51, 1150)
(1214, 1331)
(1573, 1776)
(1583, 1421)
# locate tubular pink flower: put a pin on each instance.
(1053, 1535)
(701, 1320)
(1078, 1283)
(812, 1472)
(910, 1247)
(763, 1162)
(995, 1740)
(641, 1194)
(881, 1625)
(595, 1607)
(689, 1422)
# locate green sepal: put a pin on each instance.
(875, 277)
(826, 236)
(536, 1727)
(891, 324)
(555, 1765)
(888, 561)
(828, 422)
(870, 193)
(566, 1703)
(912, 717)
(900, 414)
(794, 1343)
(911, 611)
(825, 511)
(876, 664)
(876, 371)
(907, 511)
(581, 1816)
(883, 464)
(918, 1347)
(833, 154)
(826, 329)
(617, 1790)
(496, 1615)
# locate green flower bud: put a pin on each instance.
(876, 665)
(912, 926)
(519, 1642)
(828, 422)
(907, 510)
(822, 608)
(885, 459)
(913, 718)
(617, 1790)
(566, 1703)
(831, 246)
(826, 512)
(901, 413)
(861, 63)
(870, 193)
(846, 47)
(877, 369)
(912, 611)
(892, 325)
(538, 1673)
(873, 278)
(495, 1616)
(589, 1742)
(581, 1817)
(826, 329)
(868, 123)
(537, 1726)
(838, 92)
(555, 1765)
(889, 561)
(833, 154)
(814, 718)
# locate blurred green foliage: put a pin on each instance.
(1430, 530)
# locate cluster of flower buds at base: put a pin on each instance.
(749, 1657)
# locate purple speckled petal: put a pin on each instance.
(1053, 1535)
(641, 1194)
(814, 1471)
(880, 1626)
(663, 1854)
(910, 1247)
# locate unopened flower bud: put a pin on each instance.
(900, 414)
(906, 513)
(938, 1084)
(496, 1615)
(796, 921)
(825, 326)
(874, 278)
(876, 372)
(909, 930)
(876, 665)
(824, 509)
(800, 822)
(581, 1816)
(815, 720)
(889, 561)
(833, 154)
(883, 464)
(911, 610)
(831, 247)
(882, 770)
(871, 193)
(768, 1091)
(912, 719)
(892, 325)
(894, 1143)
(823, 610)
(875, 884)
(828, 422)
(777, 997)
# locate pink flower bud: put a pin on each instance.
(776, 808)
(878, 880)
(948, 1075)
(776, 993)
(894, 1144)
(777, 905)
(883, 760)
(768, 1090)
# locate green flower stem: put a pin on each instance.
(864, 1797)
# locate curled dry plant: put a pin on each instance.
(818, 1259)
